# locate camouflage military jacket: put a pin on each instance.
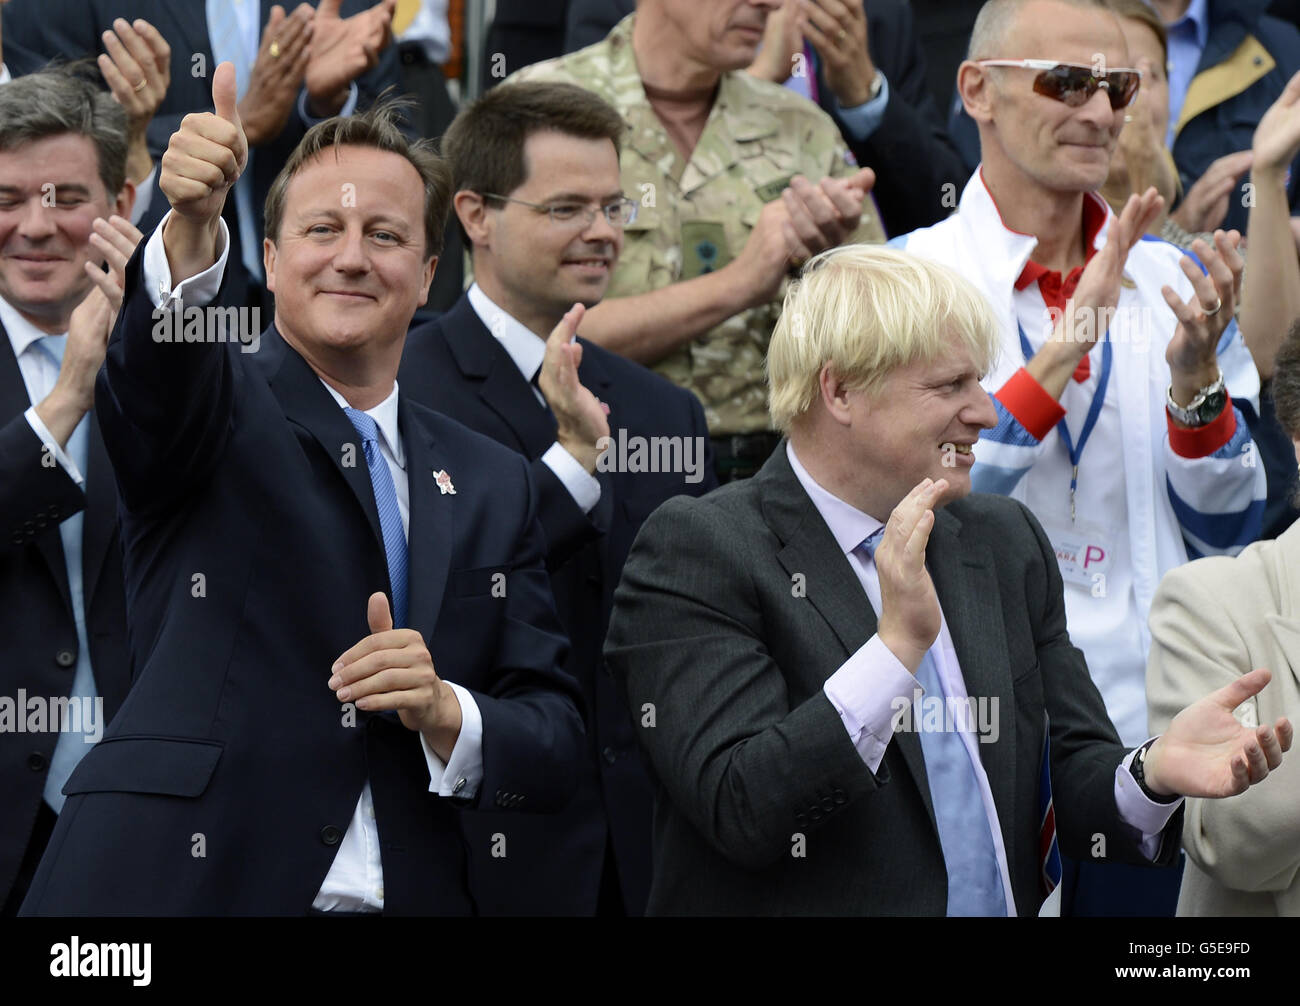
(695, 216)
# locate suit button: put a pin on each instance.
(51, 511)
(815, 814)
(828, 804)
(18, 537)
(841, 797)
(36, 761)
(801, 819)
(330, 835)
(40, 523)
(65, 658)
(610, 755)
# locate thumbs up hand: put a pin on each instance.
(202, 163)
(392, 669)
(206, 155)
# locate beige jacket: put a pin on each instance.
(1211, 621)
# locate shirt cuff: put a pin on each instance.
(863, 120)
(463, 772)
(869, 691)
(1030, 404)
(198, 289)
(47, 438)
(4, 74)
(1139, 810)
(143, 196)
(1202, 441)
(348, 108)
(582, 486)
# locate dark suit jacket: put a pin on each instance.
(748, 752)
(36, 31)
(37, 625)
(553, 863)
(909, 151)
(252, 543)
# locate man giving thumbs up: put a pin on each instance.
(307, 552)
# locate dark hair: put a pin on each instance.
(1137, 10)
(1286, 382)
(66, 99)
(376, 128)
(484, 145)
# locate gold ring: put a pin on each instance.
(1218, 306)
(275, 50)
(140, 86)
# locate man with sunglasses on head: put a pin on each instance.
(1120, 358)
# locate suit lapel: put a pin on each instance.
(832, 587)
(431, 526)
(306, 402)
(502, 388)
(14, 402)
(967, 586)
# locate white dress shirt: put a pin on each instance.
(527, 349)
(866, 688)
(355, 880)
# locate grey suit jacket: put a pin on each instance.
(1212, 621)
(732, 612)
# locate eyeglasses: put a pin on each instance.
(1076, 83)
(619, 213)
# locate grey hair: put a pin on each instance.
(64, 99)
(993, 23)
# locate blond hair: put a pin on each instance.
(866, 310)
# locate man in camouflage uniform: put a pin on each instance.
(768, 182)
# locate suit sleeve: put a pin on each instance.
(533, 738)
(910, 150)
(165, 408)
(687, 635)
(1085, 747)
(35, 491)
(566, 527)
(1250, 842)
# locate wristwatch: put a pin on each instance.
(1202, 409)
(1137, 768)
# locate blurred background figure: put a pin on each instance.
(294, 67)
(1213, 621)
(864, 64)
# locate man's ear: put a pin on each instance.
(471, 210)
(125, 201)
(268, 263)
(429, 268)
(977, 90)
(834, 395)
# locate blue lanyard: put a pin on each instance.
(1094, 411)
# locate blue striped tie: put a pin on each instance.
(390, 515)
(969, 855)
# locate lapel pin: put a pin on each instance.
(444, 482)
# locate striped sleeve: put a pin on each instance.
(1026, 415)
(1218, 498)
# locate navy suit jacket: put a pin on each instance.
(36, 618)
(252, 543)
(553, 864)
(36, 31)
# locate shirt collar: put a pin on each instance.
(385, 416)
(1197, 18)
(1094, 219)
(22, 333)
(849, 526)
(525, 347)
